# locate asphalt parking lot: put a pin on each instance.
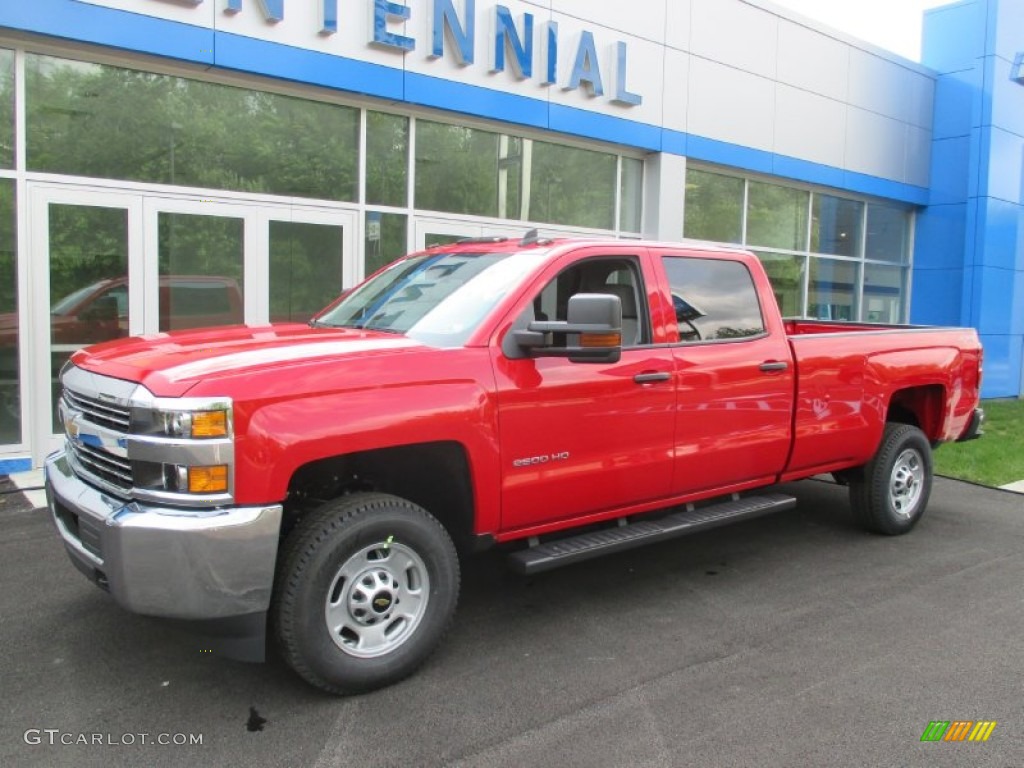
(790, 640)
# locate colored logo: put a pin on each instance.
(958, 730)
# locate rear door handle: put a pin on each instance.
(772, 365)
(649, 378)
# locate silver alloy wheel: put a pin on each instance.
(906, 482)
(377, 599)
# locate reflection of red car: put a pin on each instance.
(99, 312)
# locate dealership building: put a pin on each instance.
(172, 163)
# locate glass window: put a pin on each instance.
(6, 110)
(888, 234)
(619, 277)
(456, 169)
(832, 292)
(201, 272)
(884, 293)
(115, 123)
(714, 299)
(511, 204)
(572, 186)
(836, 225)
(777, 216)
(467, 170)
(387, 159)
(10, 399)
(714, 207)
(786, 274)
(385, 239)
(305, 269)
(435, 298)
(631, 194)
(88, 281)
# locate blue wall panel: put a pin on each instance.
(950, 165)
(936, 296)
(1000, 224)
(1003, 360)
(10, 466)
(960, 95)
(996, 293)
(106, 26)
(979, 175)
(247, 54)
(939, 238)
(953, 36)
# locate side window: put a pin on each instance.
(620, 277)
(120, 295)
(714, 299)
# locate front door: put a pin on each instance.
(582, 438)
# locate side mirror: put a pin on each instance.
(591, 334)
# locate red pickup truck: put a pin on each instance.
(561, 399)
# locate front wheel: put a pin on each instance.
(893, 492)
(366, 589)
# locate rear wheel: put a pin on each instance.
(366, 589)
(893, 492)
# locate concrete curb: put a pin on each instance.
(31, 484)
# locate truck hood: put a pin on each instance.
(169, 364)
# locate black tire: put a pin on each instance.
(893, 492)
(354, 560)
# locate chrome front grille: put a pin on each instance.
(104, 414)
(100, 464)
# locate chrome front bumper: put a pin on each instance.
(164, 561)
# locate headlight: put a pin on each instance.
(183, 424)
(195, 424)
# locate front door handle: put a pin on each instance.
(650, 378)
(773, 365)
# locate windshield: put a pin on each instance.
(438, 299)
(66, 304)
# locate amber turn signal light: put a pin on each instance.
(210, 424)
(208, 479)
(600, 339)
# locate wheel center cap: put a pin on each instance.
(382, 601)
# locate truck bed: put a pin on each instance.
(853, 377)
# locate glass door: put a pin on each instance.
(105, 265)
(310, 261)
(441, 232)
(85, 277)
(196, 273)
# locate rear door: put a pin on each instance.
(579, 438)
(734, 375)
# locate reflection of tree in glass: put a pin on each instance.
(714, 207)
(6, 109)
(456, 169)
(109, 122)
(387, 148)
(572, 186)
(777, 216)
(305, 269)
(87, 244)
(10, 402)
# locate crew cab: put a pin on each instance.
(559, 399)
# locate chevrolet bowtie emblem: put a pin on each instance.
(71, 427)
